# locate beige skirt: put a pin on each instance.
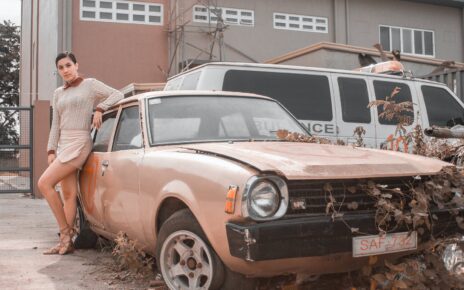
(74, 147)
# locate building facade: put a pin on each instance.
(260, 30)
(145, 41)
(117, 42)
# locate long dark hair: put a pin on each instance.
(65, 54)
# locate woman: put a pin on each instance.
(73, 105)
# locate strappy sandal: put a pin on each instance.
(53, 251)
(66, 243)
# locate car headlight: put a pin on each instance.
(265, 198)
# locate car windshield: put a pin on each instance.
(187, 119)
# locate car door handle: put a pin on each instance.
(105, 164)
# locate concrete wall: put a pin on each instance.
(119, 54)
(445, 21)
(354, 22)
(39, 46)
(338, 59)
(47, 49)
(248, 43)
(25, 73)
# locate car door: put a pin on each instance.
(352, 98)
(387, 137)
(90, 175)
(120, 175)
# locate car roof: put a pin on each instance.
(192, 93)
(294, 67)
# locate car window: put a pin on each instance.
(354, 100)
(442, 108)
(179, 119)
(233, 125)
(305, 96)
(190, 81)
(128, 134)
(103, 135)
(384, 89)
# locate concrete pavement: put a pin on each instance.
(27, 228)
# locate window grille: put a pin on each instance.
(230, 16)
(121, 12)
(300, 23)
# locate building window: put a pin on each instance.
(408, 40)
(228, 15)
(300, 23)
(121, 12)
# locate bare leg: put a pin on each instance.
(56, 172)
(69, 188)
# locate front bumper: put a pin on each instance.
(314, 236)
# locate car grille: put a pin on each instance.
(307, 197)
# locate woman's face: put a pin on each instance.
(67, 69)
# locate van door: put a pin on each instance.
(351, 99)
(386, 128)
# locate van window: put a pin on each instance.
(306, 96)
(173, 84)
(354, 99)
(383, 90)
(442, 108)
(190, 81)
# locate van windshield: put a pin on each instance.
(187, 119)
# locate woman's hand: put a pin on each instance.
(51, 158)
(97, 119)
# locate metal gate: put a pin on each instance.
(16, 150)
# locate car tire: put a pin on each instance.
(85, 237)
(182, 245)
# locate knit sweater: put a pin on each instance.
(73, 107)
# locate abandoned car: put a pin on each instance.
(201, 181)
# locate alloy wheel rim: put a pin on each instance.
(185, 262)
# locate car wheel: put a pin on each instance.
(85, 237)
(184, 256)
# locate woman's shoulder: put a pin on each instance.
(89, 81)
(58, 91)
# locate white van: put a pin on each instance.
(331, 103)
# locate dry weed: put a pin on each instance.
(129, 257)
(395, 111)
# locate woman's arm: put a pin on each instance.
(54, 135)
(105, 96)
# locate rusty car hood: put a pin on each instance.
(317, 161)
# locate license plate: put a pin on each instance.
(389, 243)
